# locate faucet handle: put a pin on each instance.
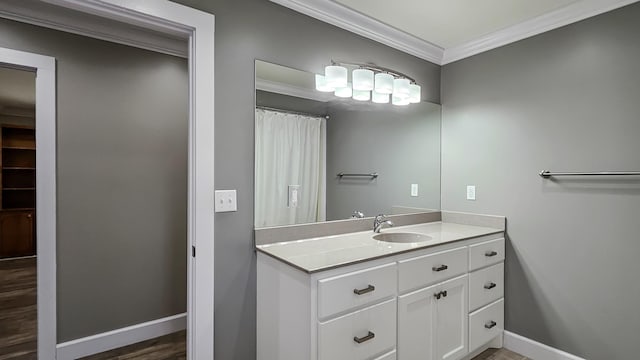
(381, 217)
(357, 215)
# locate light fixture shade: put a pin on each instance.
(336, 76)
(361, 95)
(362, 79)
(414, 94)
(344, 92)
(384, 83)
(321, 84)
(401, 88)
(378, 98)
(399, 101)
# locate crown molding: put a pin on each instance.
(290, 90)
(355, 22)
(564, 16)
(53, 17)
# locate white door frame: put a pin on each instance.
(198, 28)
(45, 69)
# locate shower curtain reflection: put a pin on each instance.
(290, 168)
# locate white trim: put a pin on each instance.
(114, 339)
(45, 68)
(287, 89)
(355, 22)
(564, 16)
(339, 15)
(40, 14)
(533, 349)
(198, 26)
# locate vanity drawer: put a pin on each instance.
(359, 335)
(429, 269)
(485, 324)
(486, 253)
(486, 286)
(344, 292)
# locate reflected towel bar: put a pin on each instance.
(547, 174)
(372, 175)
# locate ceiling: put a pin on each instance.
(444, 31)
(448, 23)
(17, 88)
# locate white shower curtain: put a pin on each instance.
(290, 150)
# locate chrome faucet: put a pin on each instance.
(379, 222)
(357, 215)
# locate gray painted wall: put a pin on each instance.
(292, 103)
(402, 144)
(258, 29)
(566, 100)
(122, 180)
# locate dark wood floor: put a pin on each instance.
(18, 311)
(500, 354)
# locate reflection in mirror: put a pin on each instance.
(321, 158)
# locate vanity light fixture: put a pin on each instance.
(368, 82)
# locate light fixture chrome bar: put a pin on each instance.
(291, 112)
(371, 175)
(374, 68)
(547, 174)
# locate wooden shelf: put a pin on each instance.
(17, 168)
(18, 148)
(18, 189)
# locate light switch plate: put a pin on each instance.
(471, 192)
(414, 189)
(294, 196)
(226, 201)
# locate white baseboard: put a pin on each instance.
(114, 339)
(533, 349)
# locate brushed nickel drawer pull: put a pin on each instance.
(490, 324)
(439, 268)
(490, 286)
(363, 339)
(368, 289)
(490, 253)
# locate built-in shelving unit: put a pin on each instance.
(18, 191)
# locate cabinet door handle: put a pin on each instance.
(368, 289)
(440, 294)
(369, 336)
(490, 324)
(490, 286)
(490, 253)
(439, 268)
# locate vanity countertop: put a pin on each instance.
(328, 252)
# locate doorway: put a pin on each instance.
(18, 251)
(183, 22)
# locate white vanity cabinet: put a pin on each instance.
(438, 303)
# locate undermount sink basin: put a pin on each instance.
(402, 237)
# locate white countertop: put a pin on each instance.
(323, 253)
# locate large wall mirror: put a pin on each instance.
(321, 158)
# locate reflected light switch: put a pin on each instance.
(294, 191)
(414, 189)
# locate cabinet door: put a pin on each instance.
(16, 234)
(451, 319)
(416, 312)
